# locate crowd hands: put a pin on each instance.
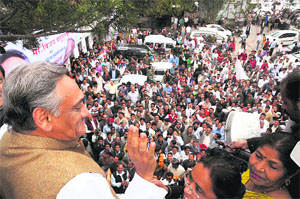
(185, 114)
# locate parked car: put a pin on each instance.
(220, 29)
(293, 57)
(128, 51)
(163, 42)
(287, 37)
(206, 32)
(292, 48)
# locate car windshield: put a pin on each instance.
(196, 35)
(158, 72)
(291, 46)
(297, 55)
(275, 34)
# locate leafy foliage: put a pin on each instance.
(210, 9)
(30, 19)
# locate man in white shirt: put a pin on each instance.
(189, 111)
(272, 47)
(100, 81)
(133, 95)
(120, 179)
(43, 135)
(279, 49)
(84, 85)
(207, 137)
(258, 40)
(176, 168)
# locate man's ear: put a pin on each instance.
(42, 119)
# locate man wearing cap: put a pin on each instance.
(107, 128)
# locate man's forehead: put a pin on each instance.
(66, 87)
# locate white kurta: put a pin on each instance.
(94, 185)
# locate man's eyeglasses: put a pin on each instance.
(188, 180)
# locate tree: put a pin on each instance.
(210, 9)
(161, 8)
(30, 19)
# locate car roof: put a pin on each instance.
(285, 31)
(214, 25)
(158, 38)
(127, 46)
(133, 78)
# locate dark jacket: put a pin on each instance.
(117, 74)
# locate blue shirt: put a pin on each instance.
(168, 90)
(174, 60)
(221, 131)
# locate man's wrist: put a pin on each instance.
(147, 177)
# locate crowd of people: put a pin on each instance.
(185, 114)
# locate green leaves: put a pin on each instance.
(19, 19)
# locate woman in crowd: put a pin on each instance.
(271, 170)
(211, 178)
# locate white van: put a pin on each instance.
(205, 32)
(164, 42)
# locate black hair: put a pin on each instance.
(2, 71)
(157, 148)
(100, 138)
(13, 53)
(218, 135)
(283, 143)
(225, 178)
(169, 174)
(106, 151)
(85, 142)
(292, 85)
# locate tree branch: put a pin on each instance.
(10, 16)
(13, 37)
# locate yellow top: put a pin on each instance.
(251, 194)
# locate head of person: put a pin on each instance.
(106, 153)
(120, 167)
(175, 163)
(2, 77)
(11, 59)
(290, 94)
(169, 176)
(39, 99)
(69, 49)
(270, 165)
(213, 178)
